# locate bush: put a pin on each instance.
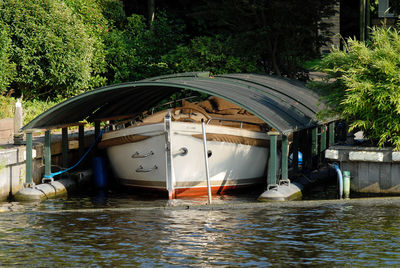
(54, 52)
(31, 108)
(7, 106)
(7, 69)
(366, 86)
(214, 54)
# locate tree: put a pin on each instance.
(281, 34)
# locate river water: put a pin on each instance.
(120, 231)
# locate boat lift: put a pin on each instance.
(286, 106)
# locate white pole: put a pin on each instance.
(203, 126)
(170, 173)
(18, 135)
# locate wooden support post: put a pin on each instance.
(295, 150)
(47, 153)
(28, 163)
(81, 140)
(331, 128)
(272, 158)
(64, 144)
(285, 156)
(323, 138)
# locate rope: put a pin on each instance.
(80, 160)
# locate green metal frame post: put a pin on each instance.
(28, 163)
(331, 128)
(323, 138)
(295, 147)
(314, 141)
(305, 147)
(47, 153)
(96, 129)
(81, 140)
(285, 155)
(64, 144)
(272, 158)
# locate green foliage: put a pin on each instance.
(214, 54)
(31, 108)
(7, 69)
(366, 86)
(7, 106)
(137, 51)
(52, 49)
(113, 12)
(151, 44)
(280, 34)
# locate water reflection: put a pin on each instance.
(334, 235)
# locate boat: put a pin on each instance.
(164, 152)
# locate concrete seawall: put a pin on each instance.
(13, 161)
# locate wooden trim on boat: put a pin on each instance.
(122, 140)
(234, 139)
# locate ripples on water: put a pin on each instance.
(338, 234)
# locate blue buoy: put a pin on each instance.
(99, 172)
(299, 159)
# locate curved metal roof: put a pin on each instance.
(285, 105)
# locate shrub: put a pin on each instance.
(366, 87)
(214, 54)
(54, 52)
(7, 69)
(31, 108)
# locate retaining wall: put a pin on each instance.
(372, 170)
(12, 162)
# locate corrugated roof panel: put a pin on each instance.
(283, 104)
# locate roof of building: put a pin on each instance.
(285, 105)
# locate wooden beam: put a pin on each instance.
(35, 130)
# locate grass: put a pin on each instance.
(31, 109)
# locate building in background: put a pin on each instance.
(355, 17)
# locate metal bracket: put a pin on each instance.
(138, 155)
(29, 185)
(272, 187)
(284, 182)
(182, 151)
(142, 169)
(47, 180)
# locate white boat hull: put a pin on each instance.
(144, 163)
